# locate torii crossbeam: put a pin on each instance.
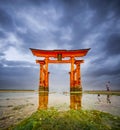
(59, 55)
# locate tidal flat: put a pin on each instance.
(19, 107)
(53, 119)
(15, 107)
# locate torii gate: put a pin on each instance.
(59, 55)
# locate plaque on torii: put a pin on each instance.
(59, 55)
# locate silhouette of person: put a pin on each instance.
(108, 86)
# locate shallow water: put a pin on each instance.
(16, 106)
(106, 103)
(64, 101)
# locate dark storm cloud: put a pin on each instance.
(113, 44)
(64, 24)
(14, 77)
(29, 37)
(1, 54)
(101, 8)
(15, 74)
(39, 1)
(108, 63)
(16, 63)
(84, 17)
(2, 34)
(104, 10)
(6, 21)
(106, 70)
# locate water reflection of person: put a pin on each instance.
(43, 100)
(75, 101)
(108, 98)
(99, 98)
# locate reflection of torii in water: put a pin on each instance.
(43, 100)
(75, 100)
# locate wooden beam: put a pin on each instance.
(64, 53)
(57, 62)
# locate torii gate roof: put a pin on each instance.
(64, 53)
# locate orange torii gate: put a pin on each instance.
(59, 55)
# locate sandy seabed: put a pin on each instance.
(14, 110)
(16, 106)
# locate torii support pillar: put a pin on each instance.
(75, 75)
(44, 75)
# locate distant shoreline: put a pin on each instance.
(16, 90)
(112, 92)
(84, 91)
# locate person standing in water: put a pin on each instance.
(108, 86)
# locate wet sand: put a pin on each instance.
(16, 106)
(14, 110)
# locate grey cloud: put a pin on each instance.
(105, 7)
(1, 54)
(93, 24)
(37, 2)
(18, 77)
(2, 34)
(75, 15)
(113, 44)
(16, 63)
(6, 21)
(30, 38)
(106, 71)
(104, 11)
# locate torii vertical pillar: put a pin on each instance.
(75, 75)
(72, 74)
(41, 80)
(46, 74)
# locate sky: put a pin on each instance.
(59, 24)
